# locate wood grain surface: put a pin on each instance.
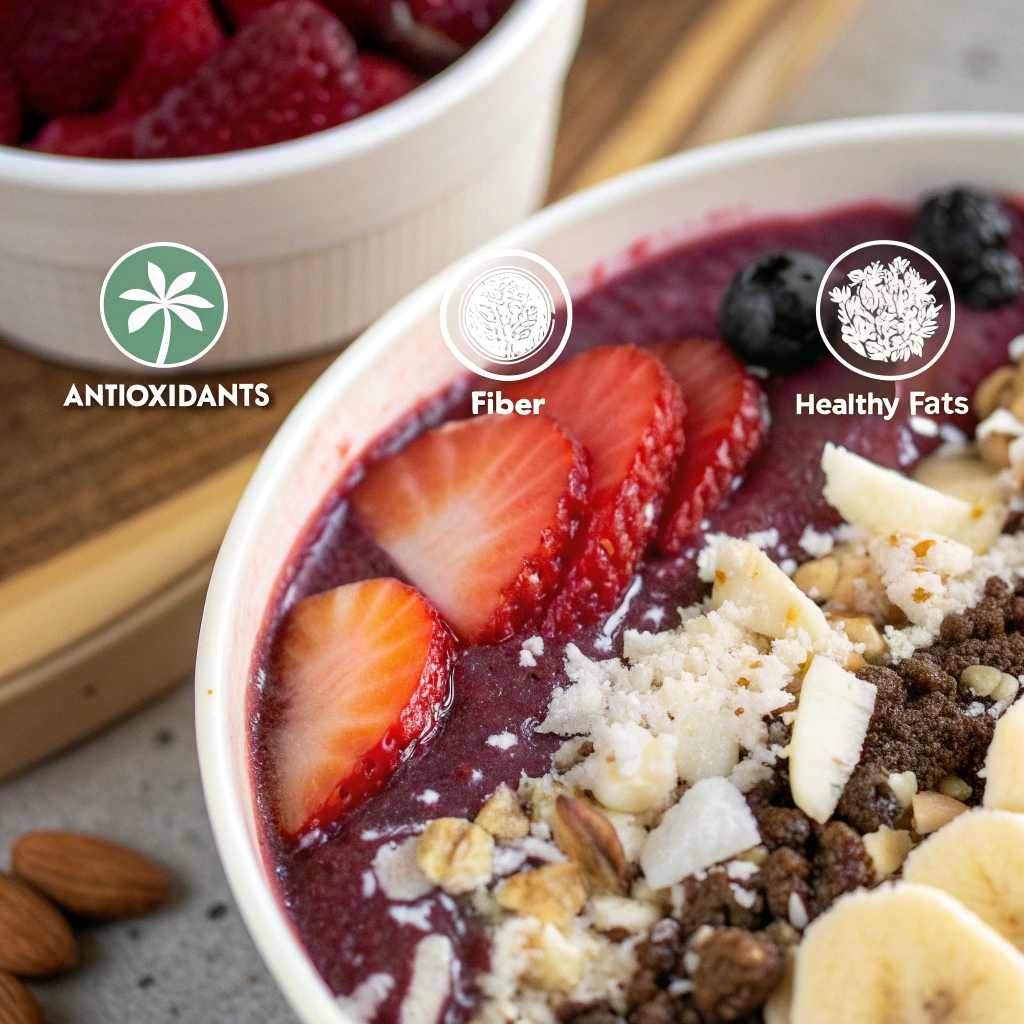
(651, 76)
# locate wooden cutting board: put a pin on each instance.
(110, 518)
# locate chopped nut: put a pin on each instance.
(859, 589)
(621, 914)
(954, 786)
(903, 786)
(554, 963)
(590, 841)
(817, 578)
(933, 810)
(888, 849)
(502, 816)
(994, 391)
(854, 661)
(995, 449)
(1006, 689)
(982, 679)
(859, 629)
(553, 893)
(538, 796)
(755, 855)
(455, 854)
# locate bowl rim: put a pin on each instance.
(470, 73)
(258, 903)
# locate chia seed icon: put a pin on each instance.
(164, 305)
(894, 306)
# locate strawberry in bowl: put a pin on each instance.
(169, 78)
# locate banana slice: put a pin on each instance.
(763, 598)
(977, 859)
(883, 501)
(831, 722)
(1004, 765)
(906, 954)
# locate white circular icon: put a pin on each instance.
(893, 302)
(500, 317)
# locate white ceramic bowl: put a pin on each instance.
(314, 238)
(402, 359)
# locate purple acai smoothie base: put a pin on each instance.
(343, 919)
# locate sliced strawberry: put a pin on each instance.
(172, 50)
(385, 80)
(10, 108)
(478, 514)
(98, 135)
(287, 72)
(724, 427)
(69, 56)
(620, 403)
(364, 673)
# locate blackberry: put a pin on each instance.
(957, 226)
(767, 314)
(994, 279)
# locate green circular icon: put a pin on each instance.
(164, 304)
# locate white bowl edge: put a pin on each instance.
(919, 151)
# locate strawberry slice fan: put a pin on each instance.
(502, 524)
(623, 407)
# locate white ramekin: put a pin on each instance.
(402, 359)
(314, 238)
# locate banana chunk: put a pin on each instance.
(762, 597)
(881, 500)
(905, 953)
(977, 859)
(1004, 765)
(828, 735)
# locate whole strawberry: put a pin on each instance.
(289, 71)
(10, 108)
(69, 56)
(173, 48)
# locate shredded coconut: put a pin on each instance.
(816, 544)
(503, 740)
(364, 1001)
(397, 873)
(431, 981)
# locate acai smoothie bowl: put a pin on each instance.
(681, 685)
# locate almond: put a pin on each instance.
(90, 876)
(589, 839)
(17, 1005)
(34, 937)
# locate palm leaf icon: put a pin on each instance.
(168, 300)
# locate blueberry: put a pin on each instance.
(994, 279)
(767, 314)
(958, 225)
